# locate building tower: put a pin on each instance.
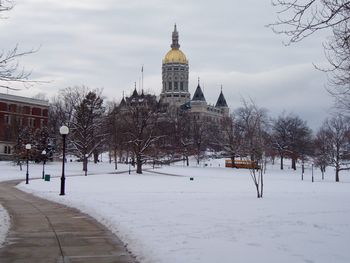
(175, 72)
(222, 104)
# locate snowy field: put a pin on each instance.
(216, 217)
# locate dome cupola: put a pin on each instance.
(175, 55)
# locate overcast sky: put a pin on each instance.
(104, 43)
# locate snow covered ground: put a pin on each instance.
(215, 217)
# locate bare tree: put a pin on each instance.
(140, 116)
(320, 150)
(61, 112)
(200, 129)
(280, 137)
(10, 70)
(87, 125)
(182, 135)
(81, 109)
(115, 139)
(230, 138)
(254, 124)
(6, 5)
(337, 144)
(299, 19)
(291, 137)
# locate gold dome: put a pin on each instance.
(175, 56)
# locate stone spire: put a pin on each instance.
(175, 37)
(135, 94)
(221, 100)
(198, 94)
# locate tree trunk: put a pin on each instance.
(115, 159)
(139, 165)
(233, 161)
(95, 157)
(261, 184)
(323, 169)
(337, 174)
(257, 190)
(302, 171)
(187, 161)
(85, 164)
(281, 161)
(294, 167)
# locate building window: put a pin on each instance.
(7, 150)
(31, 122)
(176, 85)
(7, 119)
(170, 86)
(181, 85)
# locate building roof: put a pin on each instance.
(20, 99)
(175, 56)
(198, 94)
(221, 101)
(135, 94)
(123, 102)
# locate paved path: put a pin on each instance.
(44, 232)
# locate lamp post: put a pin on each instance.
(28, 147)
(63, 131)
(43, 153)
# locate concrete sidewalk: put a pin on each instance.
(44, 232)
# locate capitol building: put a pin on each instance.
(175, 95)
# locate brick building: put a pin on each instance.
(16, 113)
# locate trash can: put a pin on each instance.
(47, 177)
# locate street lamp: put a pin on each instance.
(43, 153)
(63, 131)
(28, 147)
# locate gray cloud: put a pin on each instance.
(103, 44)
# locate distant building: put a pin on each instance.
(175, 95)
(16, 113)
(175, 75)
